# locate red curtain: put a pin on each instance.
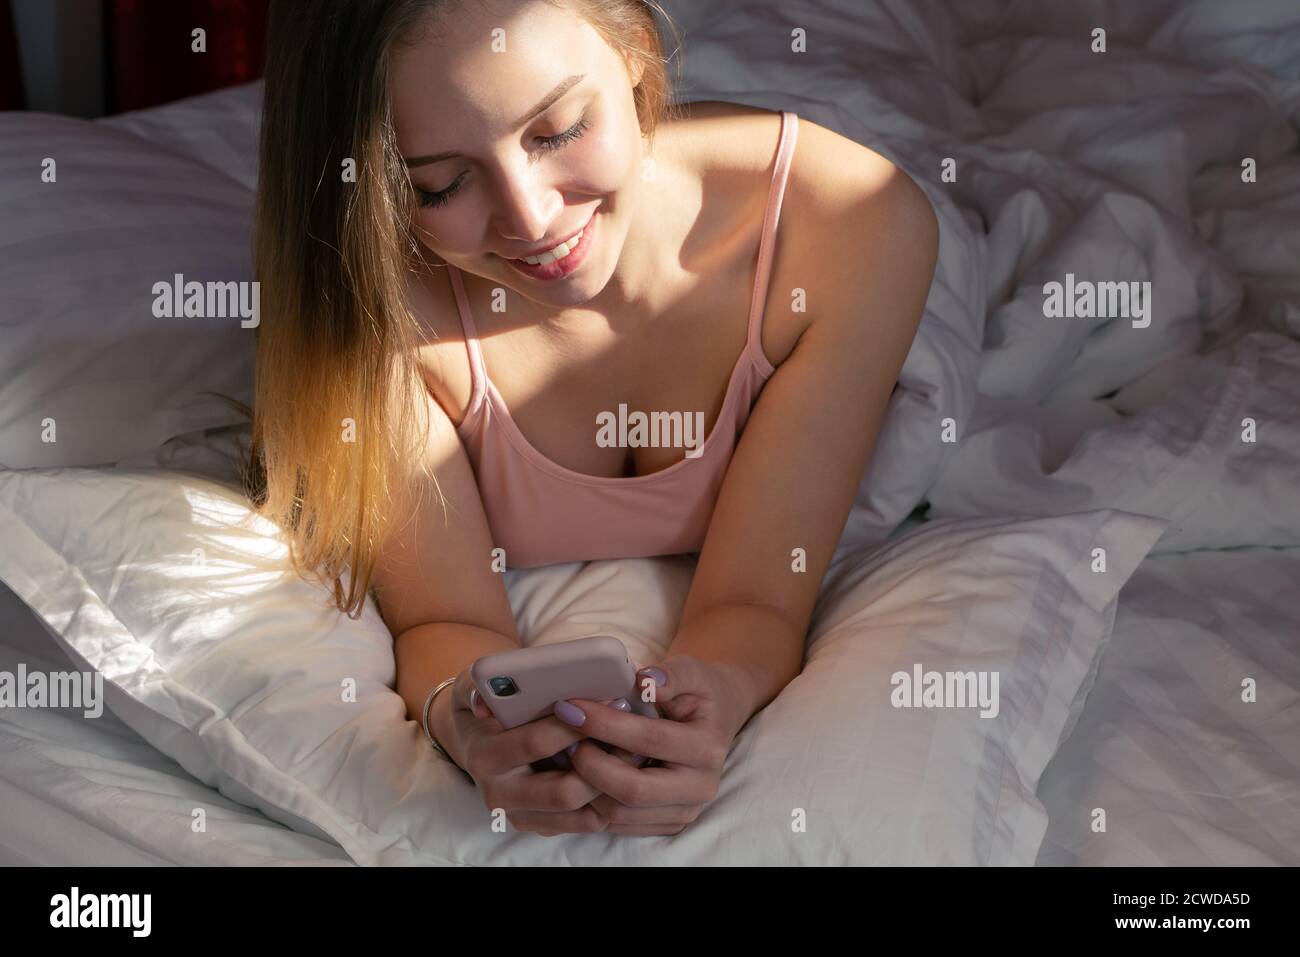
(150, 56)
(11, 77)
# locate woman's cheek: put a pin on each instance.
(609, 162)
(446, 233)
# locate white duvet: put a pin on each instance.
(1123, 166)
(1187, 772)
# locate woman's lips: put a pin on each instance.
(559, 268)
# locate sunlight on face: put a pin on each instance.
(514, 183)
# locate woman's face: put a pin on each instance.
(496, 180)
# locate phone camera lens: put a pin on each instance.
(503, 687)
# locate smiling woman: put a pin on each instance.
(334, 251)
(525, 199)
(546, 114)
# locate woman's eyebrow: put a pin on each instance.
(561, 88)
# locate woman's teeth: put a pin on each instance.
(559, 252)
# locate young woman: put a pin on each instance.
(481, 229)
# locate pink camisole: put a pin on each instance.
(541, 513)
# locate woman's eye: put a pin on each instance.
(568, 136)
(559, 141)
(441, 197)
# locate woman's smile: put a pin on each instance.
(561, 260)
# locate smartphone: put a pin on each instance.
(523, 685)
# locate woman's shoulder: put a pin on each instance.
(829, 175)
(734, 137)
(725, 139)
(838, 192)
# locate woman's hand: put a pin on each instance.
(499, 761)
(703, 713)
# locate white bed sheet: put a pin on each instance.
(1188, 773)
(1184, 778)
(91, 792)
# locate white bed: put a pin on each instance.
(1134, 178)
(1183, 783)
(1188, 775)
(80, 792)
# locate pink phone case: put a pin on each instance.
(596, 668)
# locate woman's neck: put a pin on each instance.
(652, 271)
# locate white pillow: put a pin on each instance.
(220, 657)
(220, 129)
(79, 258)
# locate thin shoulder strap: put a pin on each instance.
(477, 370)
(775, 196)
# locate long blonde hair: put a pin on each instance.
(335, 425)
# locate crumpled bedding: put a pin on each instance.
(1187, 772)
(1123, 166)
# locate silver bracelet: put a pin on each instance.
(428, 702)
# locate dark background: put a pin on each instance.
(95, 57)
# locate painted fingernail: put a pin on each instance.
(571, 748)
(570, 713)
(660, 679)
(622, 705)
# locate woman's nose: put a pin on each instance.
(526, 208)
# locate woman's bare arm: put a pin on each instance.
(792, 480)
(434, 581)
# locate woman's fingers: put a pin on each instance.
(500, 751)
(675, 742)
(465, 696)
(636, 760)
(546, 802)
(528, 790)
(561, 758)
(643, 787)
(495, 750)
